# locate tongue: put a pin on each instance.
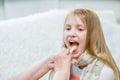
(73, 48)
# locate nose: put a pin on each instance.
(72, 33)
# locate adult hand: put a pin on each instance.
(61, 63)
(61, 60)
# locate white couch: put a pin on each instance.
(25, 40)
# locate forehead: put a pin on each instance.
(74, 18)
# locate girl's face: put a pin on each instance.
(75, 35)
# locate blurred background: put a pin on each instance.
(18, 8)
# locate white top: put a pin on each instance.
(106, 73)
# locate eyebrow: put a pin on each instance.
(79, 25)
(67, 25)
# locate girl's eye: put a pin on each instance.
(80, 29)
(67, 28)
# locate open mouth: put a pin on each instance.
(74, 44)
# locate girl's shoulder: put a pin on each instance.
(106, 73)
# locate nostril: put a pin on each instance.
(73, 35)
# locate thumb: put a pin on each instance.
(73, 61)
(51, 65)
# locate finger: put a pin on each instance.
(70, 56)
(51, 65)
(67, 52)
(52, 59)
(73, 61)
(62, 51)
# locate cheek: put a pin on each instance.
(65, 38)
(82, 38)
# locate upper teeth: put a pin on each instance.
(74, 43)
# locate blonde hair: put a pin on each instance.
(95, 43)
